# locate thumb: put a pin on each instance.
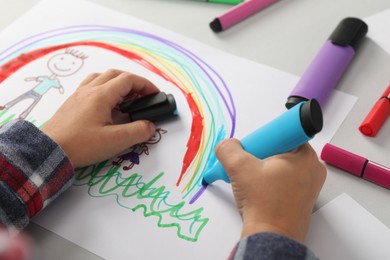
(126, 135)
(231, 155)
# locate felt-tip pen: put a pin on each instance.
(238, 13)
(330, 63)
(377, 115)
(283, 134)
(153, 107)
(356, 165)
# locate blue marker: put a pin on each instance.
(283, 134)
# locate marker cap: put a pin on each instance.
(377, 115)
(311, 117)
(349, 32)
(154, 107)
(216, 25)
(343, 159)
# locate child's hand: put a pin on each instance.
(83, 125)
(276, 194)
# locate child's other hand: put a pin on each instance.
(276, 194)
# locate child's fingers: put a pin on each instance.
(121, 86)
(89, 79)
(126, 135)
(105, 77)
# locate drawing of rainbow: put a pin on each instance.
(208, 97)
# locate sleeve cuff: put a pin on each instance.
(34, 170)
(270, 246)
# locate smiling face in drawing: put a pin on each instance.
(65, 64)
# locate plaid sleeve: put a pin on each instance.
(270, 246)
(34, 170)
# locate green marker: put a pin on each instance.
(230, 2)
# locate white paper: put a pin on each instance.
(230, 93)
(343, 229)
(378, 31)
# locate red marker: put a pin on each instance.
(377, 116)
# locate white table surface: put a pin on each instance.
(286, 36)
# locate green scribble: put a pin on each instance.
(9, 117)
(104, 179)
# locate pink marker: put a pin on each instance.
(239, 13)
(356, 165)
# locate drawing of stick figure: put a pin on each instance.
(60, 65)
(136, 150)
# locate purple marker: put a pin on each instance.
(330, 63)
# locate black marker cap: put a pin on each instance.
(349, 32)
(216, 25)
(311, 117)
(154, 107)
(293, 100)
